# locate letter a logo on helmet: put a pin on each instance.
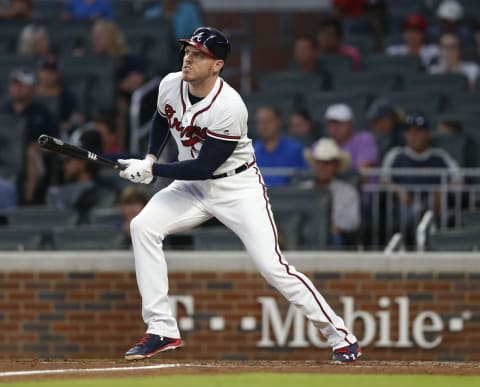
(210, 41)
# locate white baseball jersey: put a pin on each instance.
(221, 114)
(238, 200)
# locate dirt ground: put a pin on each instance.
(82, 368)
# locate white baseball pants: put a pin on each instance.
(240, 202)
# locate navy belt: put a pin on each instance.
(241, 168)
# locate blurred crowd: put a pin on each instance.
(328, 149)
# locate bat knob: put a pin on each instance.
(42, 139)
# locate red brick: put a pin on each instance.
(21, 296)
(51, 276)
(19, 275)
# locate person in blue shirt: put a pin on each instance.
(185, 15)
(274, 150)
(88, 10)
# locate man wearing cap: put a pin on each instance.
(360, 146)
(417, 153)
(215, 176)
(37, 121)
(450, 20)
(327, 161)
(414, 35)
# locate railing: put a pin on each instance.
(389, 209)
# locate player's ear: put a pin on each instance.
(218, 65)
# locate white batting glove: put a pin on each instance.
(137, 171)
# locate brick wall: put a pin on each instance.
(96, 313)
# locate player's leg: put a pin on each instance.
(252, 220)
(171, 210)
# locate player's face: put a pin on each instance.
(198, 66)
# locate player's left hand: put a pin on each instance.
(138, 171)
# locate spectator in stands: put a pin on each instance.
(360, 146)
(417, 154)
(88, 10)
(34, 41)
(366, 17)
(385, 123)
(450, 21)
(450, 60)
(81, 192)
(301, 127)
(105, 125)
(16, 9)
(37, 121)
(132, 200)
(414, 35)
(274, 150)
(108, 40)
(8, 194)
(327, 161)
(305, 55)
(49, 86)
(185, 15)
(329, 41)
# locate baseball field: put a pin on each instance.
(28, 373)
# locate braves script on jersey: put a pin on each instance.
(221, 114)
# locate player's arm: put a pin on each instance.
(158, 135)
(214, 152)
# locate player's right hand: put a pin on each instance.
(137, 171)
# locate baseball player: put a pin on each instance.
(216, 176)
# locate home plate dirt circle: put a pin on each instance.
(39, 369)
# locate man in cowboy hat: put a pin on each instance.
(328, 161)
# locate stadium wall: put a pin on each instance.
(87, 305)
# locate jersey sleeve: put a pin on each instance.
(228, 126)
(163, 89)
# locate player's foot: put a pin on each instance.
(347, 354)
(150, 345)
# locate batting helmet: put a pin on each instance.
(210, 41)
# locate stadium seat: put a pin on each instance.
(290, 83)
(314, 206)
(288, 223)
(364, 43)
(39, 217)
(455, 240)
(318, 102)
(9, 33)
(106, 217)
(416, 101)
(443, 84)
(454, 143)
(372, 81)
(98, 72)
(335, 64)
(12, 238)
(471, 219)
(12, 146)
(215, 238)
(391, 63)
(70, 37)
(86, 238)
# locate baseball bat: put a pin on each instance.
(58, 146)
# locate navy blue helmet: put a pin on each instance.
(210, 41)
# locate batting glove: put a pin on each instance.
(137, 171)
